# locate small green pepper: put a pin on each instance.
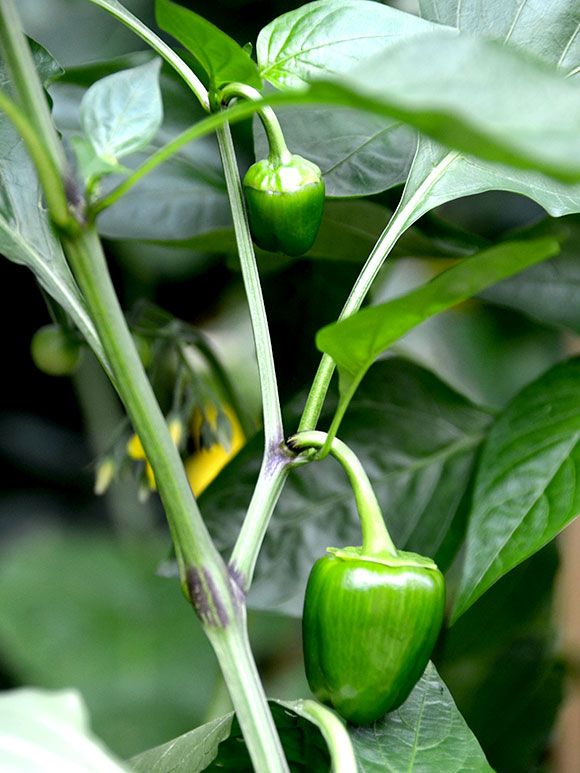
(284, 201)
(369, 627)
(54, 351)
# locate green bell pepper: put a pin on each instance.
(369, 627)
(284, 201)
(372, 614)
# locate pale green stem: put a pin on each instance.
(192, 538)
(16, 53)
(404, 216)
(200, 129)
(273, 431)
(376, 538)
(279, 153)
(273, 474)
(232, 648)
(140, 29)
(48, 174)
(335, 734)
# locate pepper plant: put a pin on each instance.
(390, 115)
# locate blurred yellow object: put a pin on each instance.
(104, 477)
(135, 448)
(204, 465)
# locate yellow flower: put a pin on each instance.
(204, 465)
(135, 448)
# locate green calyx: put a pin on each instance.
(369, 626)
(402, 557)
(284, 200)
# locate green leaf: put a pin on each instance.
(426, 733)
(497, 663)
(474, 95)
(420, 471)
(328, 39)
(548, 31)
(189, 753)
(220, 56)
(218, 745)
(359, 153)
(49, 731)
(26, 235)
(110, 628)
(526, 488)
(121, 113)
(356, 342)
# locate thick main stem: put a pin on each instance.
(192, 538)
(234, 654)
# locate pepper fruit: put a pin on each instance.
(372, 614)
(369, 627)
(54, 351)
(284, 201)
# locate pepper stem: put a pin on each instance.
(376, 538)
(279, 153)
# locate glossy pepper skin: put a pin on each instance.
(369, 629)
(284, 201)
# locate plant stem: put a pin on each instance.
(140, 29)
(192, 538)
(31, 117)
(200, 129)
(376, 538)
(16, 53)
(271, 479)
(279, 153)
(408, 211)
(273, 430)
(335, 735)
(232, 648)
(217, 599)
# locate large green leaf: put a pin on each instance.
(548, 31)
(470, 93)
(427, 733)
(122, 112)
(358, 153)
(329, 38)
(356, 342)
(84, 610)
(526, 488)
(42, 730)
(26, 235)
(220, 56)
(417, 440)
